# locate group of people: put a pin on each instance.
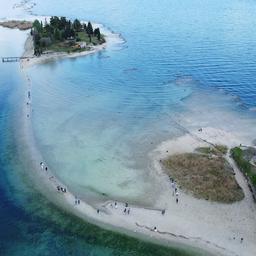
(126, 210)
(29, 97)
(43, 167)
(61, 189)
(77, 201)
(174, 190)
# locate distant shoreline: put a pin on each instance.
(19, 24)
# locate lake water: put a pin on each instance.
(183, 65)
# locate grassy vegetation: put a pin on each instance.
(206, 177)
(245, 166)
(60, 47)
(94, 39)
(215, 150)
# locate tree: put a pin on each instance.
(62, 35)
(48, 29)
(77, 25)
(89, 29)
(36, 37)
(55, 21)
(37, 25)
(62, 23)
(45, 41)
(72, 32)
(97, 33)
(57, 34)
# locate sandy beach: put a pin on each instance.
(216, 228)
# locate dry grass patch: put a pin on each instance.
(206, 177)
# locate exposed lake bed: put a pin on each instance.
(97, 136)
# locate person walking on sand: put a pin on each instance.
(177, 200)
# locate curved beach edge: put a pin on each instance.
(193, 224)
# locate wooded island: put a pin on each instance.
(62, 35)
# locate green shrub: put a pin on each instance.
(244, 165)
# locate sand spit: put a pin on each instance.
(213, 227)
(217, 228)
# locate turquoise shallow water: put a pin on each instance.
(185, 64)
(30, 225)
(97, 118)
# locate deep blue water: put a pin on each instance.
(96, 117)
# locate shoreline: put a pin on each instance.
(119, 223)
(141, 222)
(110, 38)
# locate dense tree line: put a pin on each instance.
(59, 29)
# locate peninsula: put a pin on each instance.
(59, 37)
(62, 35)
(205, 200)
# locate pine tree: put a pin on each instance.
(57, 34)
(89, 29)
(77, 25)
(97, 33)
